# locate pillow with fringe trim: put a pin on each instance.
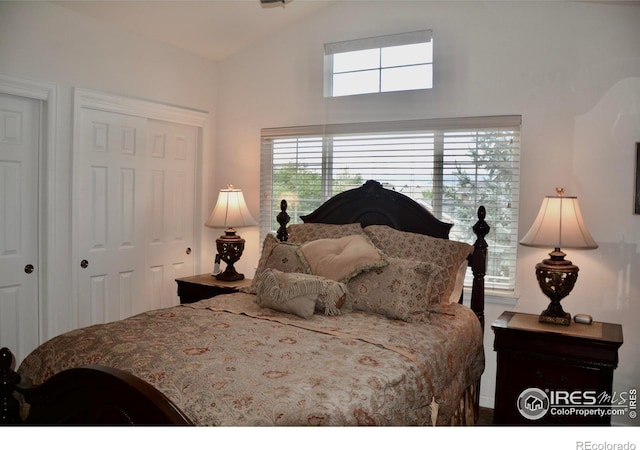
(300, 294)
(341, 259)
(277, 255)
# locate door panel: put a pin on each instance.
(110, 221)
(135, 213)
(19, 149)
(172, 187)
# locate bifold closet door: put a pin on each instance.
(134, 176)
(170, 210)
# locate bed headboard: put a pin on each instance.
(372, 204)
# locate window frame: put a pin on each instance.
(442, 130)
(375, 43)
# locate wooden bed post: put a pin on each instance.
(283, 219)
(478, 264)
(9, 406)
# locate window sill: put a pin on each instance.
(496, 297)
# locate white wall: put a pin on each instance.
(46, 42)
(572, 70)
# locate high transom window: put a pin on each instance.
(397, 62)
(450, 166)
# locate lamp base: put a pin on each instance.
(558, 318)
(556, 277)
(230, 248)
(229, 274)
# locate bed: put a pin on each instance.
(349, 321)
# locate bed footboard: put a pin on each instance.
(85, 395)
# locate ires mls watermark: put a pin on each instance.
(534, 403)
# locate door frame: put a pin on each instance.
(148, 109)
(46, 93)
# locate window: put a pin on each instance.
(451, 166)
(398, 62)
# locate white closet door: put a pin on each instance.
(19, 271)
(110, 213)
(170, 209)
(135, 213)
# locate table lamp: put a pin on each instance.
(229, 213)
(559, 225)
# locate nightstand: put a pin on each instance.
(199, 287)
(553, 374)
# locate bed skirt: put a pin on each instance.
(467, 412)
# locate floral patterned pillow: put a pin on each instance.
(403, 289)
(446, 254)
(277, 255)
(300, 233)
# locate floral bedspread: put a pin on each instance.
(226, 361)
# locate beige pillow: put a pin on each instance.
(300, 233)
(448, 255)
(401, 290)
(340, 259)
(277, 255)
(298, 293)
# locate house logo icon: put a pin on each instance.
(533, 403)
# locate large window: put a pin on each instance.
(450, 166)
(398, 62)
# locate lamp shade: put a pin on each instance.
(559, 225)
(230, 211)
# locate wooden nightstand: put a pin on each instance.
(545, 370)
(199, 287)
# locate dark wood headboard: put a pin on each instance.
(373, 204)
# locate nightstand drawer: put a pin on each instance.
(545, 374)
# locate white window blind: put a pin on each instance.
(450, 166)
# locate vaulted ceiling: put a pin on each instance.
(213, 29)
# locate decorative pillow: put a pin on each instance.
(448, 255)
(340, 259)
(332, 299)
(300, 233)
(401, 290)
(277, 255)
(298, 293)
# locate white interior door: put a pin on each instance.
(110, 215)
(19, 150)
(170, 211)
(135, 189)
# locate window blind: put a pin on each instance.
(450, 166)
